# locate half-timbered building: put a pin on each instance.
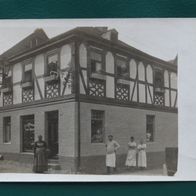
(80, 86)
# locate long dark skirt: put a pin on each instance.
(40, 163)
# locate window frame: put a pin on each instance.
(25, 63)
(161, 72)
(125, 59)
(5, 130)
(103, 126)
(101, 53)
(153, 125)
(49, 54)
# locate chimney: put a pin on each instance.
(111, 35)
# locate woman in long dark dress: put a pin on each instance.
(40, 156)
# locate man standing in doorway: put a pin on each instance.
(111, 147)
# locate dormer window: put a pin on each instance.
(122, 69)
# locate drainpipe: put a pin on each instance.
(77, 94)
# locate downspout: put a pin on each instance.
(77, 94)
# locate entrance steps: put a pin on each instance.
(53, 166)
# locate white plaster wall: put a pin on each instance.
(39, 65)
(110, 80)
(173, 77)
(149, 74)
(83, 55)
(17, 94)
(166, 97)
(133, 68)
(17, 73)
(142, 96)
(141, 71)
(166, 78)
(65, 56)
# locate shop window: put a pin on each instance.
(97, 126)
(52, 64)
(150, 125)
(7, 129)
(96, 62)
(122, 69)
(28, 133)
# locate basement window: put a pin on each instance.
(97, 126)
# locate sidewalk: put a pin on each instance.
(16, 167)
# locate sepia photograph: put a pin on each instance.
(90, 97)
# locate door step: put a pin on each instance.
(53, 164)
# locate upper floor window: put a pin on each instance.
(6, 129)
(122, 69)
(96, 62)
(7, 77)
(158, 79)
(28, 73)
(52, 64)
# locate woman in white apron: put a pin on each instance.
(142, 155)
(131, 155)
(111, 147)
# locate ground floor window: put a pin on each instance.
(28, 133)
(97, 126)
(150, 126)
(7, 129)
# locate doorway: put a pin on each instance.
(52, 133)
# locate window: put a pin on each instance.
(97, 126)
(27, 72)
(150, 128)
(158, 79)
(122, 68)
(96, 62)
(6, 129)
(7, 77)
(52, 63)
(27, 133)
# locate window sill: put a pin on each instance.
(28, 153)
(51, 78)
(6, 143)
(98, 76)
(27, 84)
(123, 81)
(6, 89)
(98, 144)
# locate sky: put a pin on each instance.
(163, 38)
(159, 38)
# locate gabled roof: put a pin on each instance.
(96, 32)
(39, 35)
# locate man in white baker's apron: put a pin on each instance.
(111, 147)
